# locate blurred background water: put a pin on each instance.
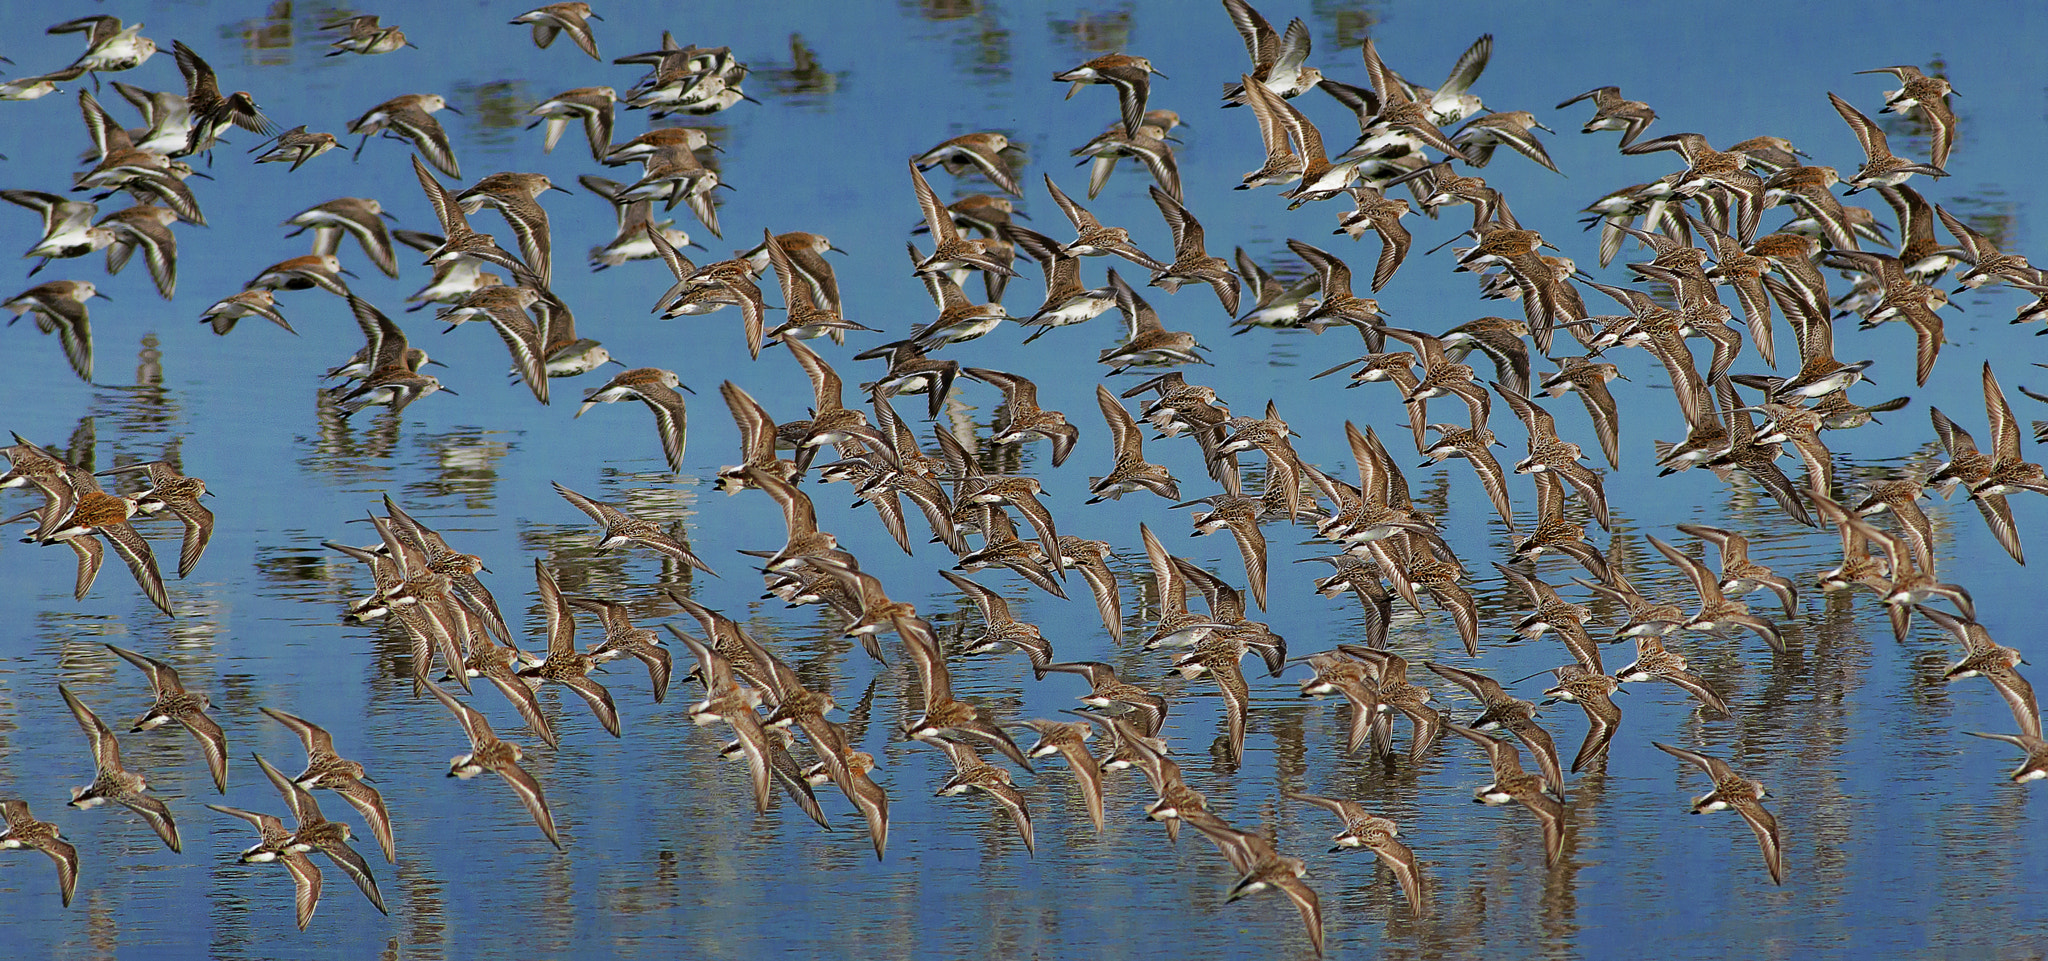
(1903, 836)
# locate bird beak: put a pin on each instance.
(96, 293)
(451, 109)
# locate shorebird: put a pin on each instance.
(1880, 168)
(971, 773)
(1654, 663)
(1380, 835)
(114, 782)
(1191, 260)
(326, 769)
(367, 37)
(1511, 785)
(59, 306)
(656, 388)
(1928, 96)
(109, 46)
(294, 146)
(24, 832)
(1381, 215)
(621, 528)
(1513, 128)
(1992, 661)
(174, 703)
(1092, 238)
(2033, 768)
(1503, 711)
(94, 513)
(1261, 867)
(1279, 60)
(1131, 76)
(557, 18)
(1593, 692)
(211, 111)
(1613, 112)
(566, 664)
(276, 845)
(1069, 740)
(1129, 471)
(1745, 797)
(1152, 146)
(359, 217)
(1147, 341)
(1067, 301)
(974, 151)
(950, 250)
(315, 833)
(489, 753)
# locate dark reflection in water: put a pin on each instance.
(102, 932)
(349, 448)
(1988, 210)
(466, 466)
(496, 109)
(426, 933)
(1093, 33)
(980, 41)
(81, 448)
(939, 11)
(1344, 24)
(266, 40)
(804, 80)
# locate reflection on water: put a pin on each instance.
(496, 109)
(803, 80)
(1344, 24)
(350, 448)
(1093, 33)
(939, 11)
(466, 466)
(266, 40)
